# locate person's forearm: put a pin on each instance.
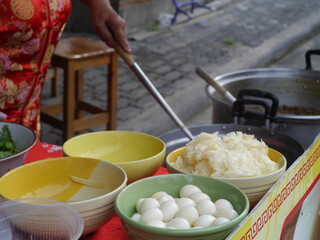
(107, 23)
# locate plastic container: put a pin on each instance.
(39, 219)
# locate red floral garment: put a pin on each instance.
(29, 32)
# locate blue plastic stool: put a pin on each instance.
(180, 5)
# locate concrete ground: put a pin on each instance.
(237, 34)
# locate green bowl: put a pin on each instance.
(171, 183)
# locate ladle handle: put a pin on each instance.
(205, 76)
(127, 58)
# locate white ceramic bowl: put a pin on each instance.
(24, 139)
(254, 187)
(89, 185)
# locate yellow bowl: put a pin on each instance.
(254, 187)
(138, 154)
(88, 185)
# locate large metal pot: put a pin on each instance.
(293, 87)
(288, 146)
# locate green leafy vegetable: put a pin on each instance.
(7, 145)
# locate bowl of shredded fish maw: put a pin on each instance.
(236, 157)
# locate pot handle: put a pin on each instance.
(239, 111)
(263, 95)
(308, 57)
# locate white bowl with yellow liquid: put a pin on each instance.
(89, 185)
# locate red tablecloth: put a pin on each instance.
(113, 230)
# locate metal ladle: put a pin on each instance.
(128, 59)
(220, 89)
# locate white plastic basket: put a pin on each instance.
(39, 219)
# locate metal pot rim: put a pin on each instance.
(265, 72)
(262, 73)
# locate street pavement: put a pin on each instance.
(236, 34)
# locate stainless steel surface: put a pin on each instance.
(224, 92)
(288, 146)
(294, 87)
(155, 93)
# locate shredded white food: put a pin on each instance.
(235, 155)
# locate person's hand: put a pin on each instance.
(108, 24)
(3, 116)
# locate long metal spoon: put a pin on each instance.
(87, 182)
(127, 58)
(224, 92)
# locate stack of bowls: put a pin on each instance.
(254, 187)
(88, 185)
(140, 155)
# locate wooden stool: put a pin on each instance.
(73, 55)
